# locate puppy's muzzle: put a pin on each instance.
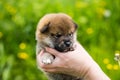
(64, 45)
(67, 43)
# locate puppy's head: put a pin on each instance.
(56, 31)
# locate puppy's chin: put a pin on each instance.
(60, 49)
(63, 48)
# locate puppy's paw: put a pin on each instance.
(47, 59)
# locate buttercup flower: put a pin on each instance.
(22, 55)
(89, 31)
(81, 4)
(100, 12)
(10, 9)
(22, 46)
(115, 67)
(106, 61)
(109, 66)
(102, 3)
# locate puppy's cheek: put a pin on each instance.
(48, 42)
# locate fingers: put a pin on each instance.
(41, 52)
(40, 55)
(48, 67)
(52, 51)
(39, 62)
(38, 58)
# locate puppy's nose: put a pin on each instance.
(67, 43)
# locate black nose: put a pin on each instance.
(67, 43)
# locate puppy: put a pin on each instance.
(56, 31)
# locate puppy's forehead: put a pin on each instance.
(62, 23)
(61, 26)
(58, 23)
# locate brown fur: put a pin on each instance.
(66, 25)
(56, 31)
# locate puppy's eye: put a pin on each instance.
(70, 34)
(58, 35)
(52, 34)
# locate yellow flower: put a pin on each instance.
(23, 55)
(109, 66)
(115, 67)
(100, 12)
(1, 34)
(89, 31)
(99, 3)
(106, 61)
(102, 3)
(10, 9)
(81, 4)
(22, 46)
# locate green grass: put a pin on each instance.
(98, 32)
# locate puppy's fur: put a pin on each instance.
(57, 31)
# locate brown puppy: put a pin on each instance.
(57, 31)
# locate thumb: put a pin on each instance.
(52, 51)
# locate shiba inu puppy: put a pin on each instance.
(56, 31)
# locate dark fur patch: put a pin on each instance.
(45, 28)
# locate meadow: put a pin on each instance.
(98, 31)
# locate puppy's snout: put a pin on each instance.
(67, 43)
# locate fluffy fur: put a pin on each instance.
(57, 31)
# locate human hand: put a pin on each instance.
(76, 63)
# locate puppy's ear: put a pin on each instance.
(45, 28)
(76, 26)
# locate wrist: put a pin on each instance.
(95, 73)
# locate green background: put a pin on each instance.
(98, 32)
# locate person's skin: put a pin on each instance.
(76, 63)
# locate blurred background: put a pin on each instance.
(98, 32)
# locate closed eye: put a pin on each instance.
(71, 34)
(58, 35)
